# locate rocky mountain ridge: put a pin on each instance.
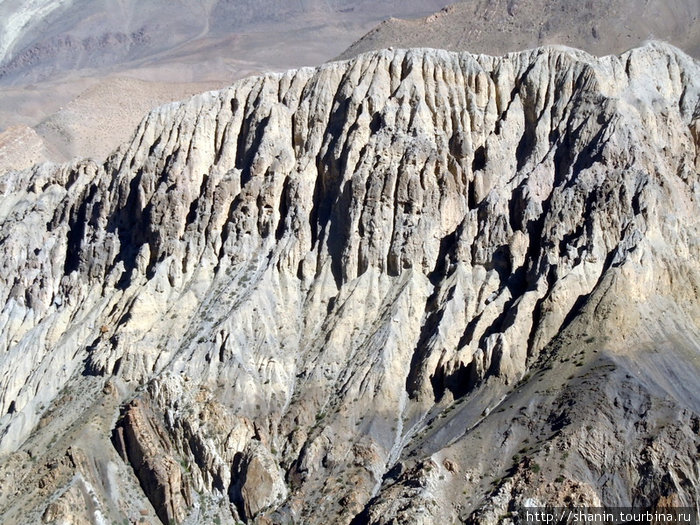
(413, 286)
(599, 27)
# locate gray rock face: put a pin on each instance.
(416, 286)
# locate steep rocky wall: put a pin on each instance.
(327, 256)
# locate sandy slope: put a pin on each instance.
(83, 73)
(495, 27)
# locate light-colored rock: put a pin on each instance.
(311, 289)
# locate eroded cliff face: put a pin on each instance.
(414, 286)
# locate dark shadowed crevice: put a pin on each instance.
(329, 171)
(581, 301)
(75, 236)
(339, 233)
(245, 156)
(363, 517)
(422, 351)
(194, 205)
(459, 382)
(377, 122)
(538, 310)
(479, 162)
(446, 253)
(286, 198)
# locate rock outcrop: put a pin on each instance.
(141, 442)
(259, 481)
(414, 286)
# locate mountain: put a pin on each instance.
(42, 39)
(600, 27)
(77, 76)
(413, 287)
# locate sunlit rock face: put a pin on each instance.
(416, 286)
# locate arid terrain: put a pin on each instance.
(77, 76)
(413, 286)
(495, 27)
